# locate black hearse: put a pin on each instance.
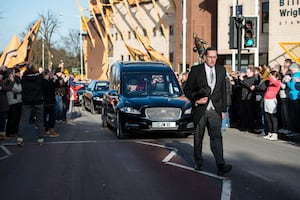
(145, 96)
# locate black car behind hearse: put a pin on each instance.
(145, 97)
(92, 97)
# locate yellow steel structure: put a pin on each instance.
(292, 49)
(134, 53)
(108, 18)
(10, 51)
(144, 40)
(18, 53)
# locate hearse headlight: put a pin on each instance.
(130, 110)
(188, 111)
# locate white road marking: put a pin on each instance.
(261, 177)
(8, 153)
(226, 190)
(157, 145)
(226, 183)
(169, 157)
(71, 142)
(199, 172)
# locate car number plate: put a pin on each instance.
(163, 124)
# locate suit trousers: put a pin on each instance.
(213, 122)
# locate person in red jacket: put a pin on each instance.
(270, 105)
(72, 94)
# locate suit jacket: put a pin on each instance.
(197, 81)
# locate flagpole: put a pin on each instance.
(233, 51)
(81, 54)
(184, 36)
(43, 53)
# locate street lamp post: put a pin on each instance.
(81, 46)
(43, 53)
(239, 23)
(81, 54)
(184, 20)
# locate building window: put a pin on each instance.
(171, 56)
(129, 57)
(245, 62)
(161, 31)
(129, 35)
(122, 57)
(171, 30)
(116, 36)
(145, 32)
(154, 31)
(265, 17)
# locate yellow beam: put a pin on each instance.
(85, 23)
(97, 24)
(160, 19)
(106, 18)
(293, 51)
(115, 22)
(24, 51)
(142, 18)
(10, 50)
(143, 39)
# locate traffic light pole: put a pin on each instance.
(239, 25)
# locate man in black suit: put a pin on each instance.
(206, 89)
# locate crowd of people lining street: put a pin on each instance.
(34, 96)
(263, 100)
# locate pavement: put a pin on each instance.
(293, 137)
(287, 136)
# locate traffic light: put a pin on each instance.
(233, 34)
(250, 32)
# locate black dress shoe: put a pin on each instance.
(198, 167)
(223, 169)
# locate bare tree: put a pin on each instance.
(71, 43)
(50, 24)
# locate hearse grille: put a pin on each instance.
(163, 114)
